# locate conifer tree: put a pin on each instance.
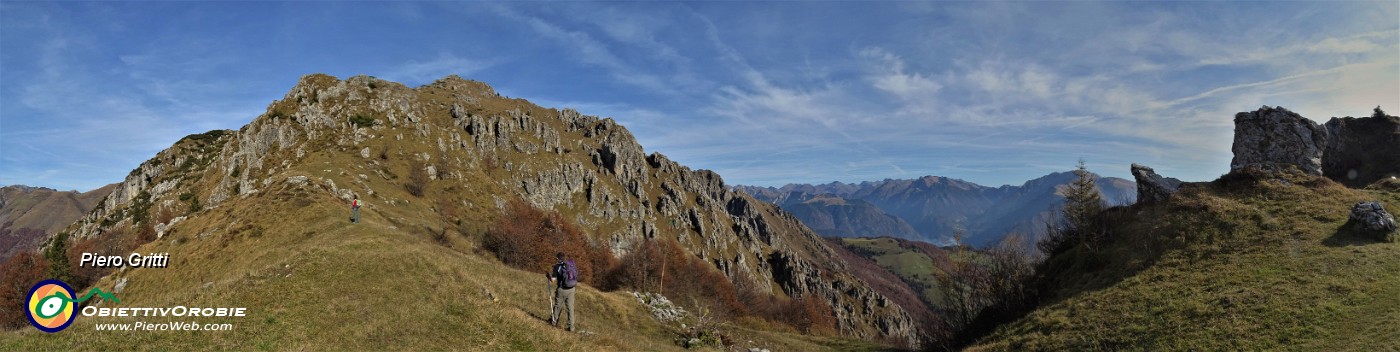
(57, 256)
(1082, 200)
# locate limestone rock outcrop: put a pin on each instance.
(1353, 151)
(1153, 188)
(1272, 137)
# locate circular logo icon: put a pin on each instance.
(51, 305)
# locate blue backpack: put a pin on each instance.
(569, 272)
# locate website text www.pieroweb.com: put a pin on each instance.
(53, 306)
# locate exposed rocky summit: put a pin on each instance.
(1371, 219)
(1272, 137)
(1352, 151)
(1153, 188)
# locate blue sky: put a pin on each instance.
(764, 93)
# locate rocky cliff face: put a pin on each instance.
(482, 150)
(1352, 151)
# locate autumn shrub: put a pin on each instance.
(810, 315)
(17, 276)
(528, 238)
(84, 275)
(64, 254)
(417, 178)
(749, 292)
(663, 266)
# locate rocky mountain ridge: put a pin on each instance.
(479, 150)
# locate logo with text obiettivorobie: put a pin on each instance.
(52, 304)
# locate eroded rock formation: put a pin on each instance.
(1153, 188)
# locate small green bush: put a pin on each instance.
(275, 114)
(361, 120)
(141, 208)
(205, 137)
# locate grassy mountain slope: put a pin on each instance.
(28, 214)
(311, 280)
(434, 166)
(912, 263)
(1253, 261)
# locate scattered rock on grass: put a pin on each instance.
(1370, 218)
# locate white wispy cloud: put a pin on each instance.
(95, 124)
(1329, 48)
(587, 49)
(918, 91)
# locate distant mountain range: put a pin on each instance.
(29, 214)
(932, 208)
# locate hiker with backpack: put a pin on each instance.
(564, 276)
(355, 209)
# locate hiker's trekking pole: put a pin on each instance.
(549, 299)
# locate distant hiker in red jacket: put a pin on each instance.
(355, 210)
